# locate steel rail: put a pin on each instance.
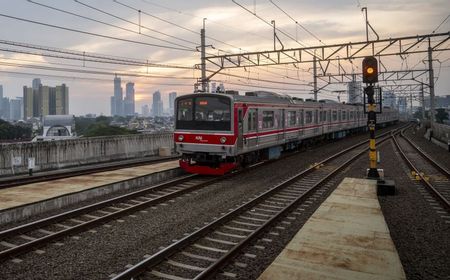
(12, 182)
(430, 187)
(427, 157)
(164, 254)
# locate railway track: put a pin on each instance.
(27, 237)
(431, 174)
(50, 176)
(205, 252)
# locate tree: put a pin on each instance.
(14, 132)
(441, 115)
(101, 129)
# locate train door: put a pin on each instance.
(240, 139)
(282, 125)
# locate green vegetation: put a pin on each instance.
(440, 116)
(90, 127)
(14, 132)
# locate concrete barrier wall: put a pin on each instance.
(441, 132)
(74, 152)
(22, 212)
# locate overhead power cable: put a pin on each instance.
(93, 72)
(96, 34)
(65, 78)
(296, 22)
(108, 24)
(83, 56)
(135, 24)
(268, 23)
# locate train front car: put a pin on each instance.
(204, 133)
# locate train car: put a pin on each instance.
(217, 133)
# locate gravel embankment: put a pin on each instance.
(436, 152)
(96, 255)
(418, 231)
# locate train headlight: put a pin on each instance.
(180, 138)
(223, 140)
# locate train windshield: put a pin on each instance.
(204, 113)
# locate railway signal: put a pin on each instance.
(370, 76)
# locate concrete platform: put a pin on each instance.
(346, 238)
(26, 200)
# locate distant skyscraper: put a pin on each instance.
(145, 111)
(172, 97)
(1, 101)
(389, 99)
(129, 105)
(28, 106)
(16, 109)
(36, 84)
(402, 104)
(118, 97)
(354, 92)
(157, 106)
(113, 106)
(4, 105)
(45, 100)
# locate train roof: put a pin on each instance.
(267, 97)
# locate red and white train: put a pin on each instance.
(217, 133)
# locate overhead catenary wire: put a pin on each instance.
(88, 58)
(96, 34)
(161, 19)
(85, 78)
(109, 24)
(128, 21)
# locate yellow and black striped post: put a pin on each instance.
(371, 123)
(370, 76)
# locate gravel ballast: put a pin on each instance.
(109, 249)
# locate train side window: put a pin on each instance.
(316, 116)
(352, 115)
(251, 120)
(339, 115)
(185, 111)
(308, 117)
(300, 118)
(335, 116)
(329, 116)
(292, 118)
(268, 119)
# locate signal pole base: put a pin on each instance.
(385, 187)
(372, 173)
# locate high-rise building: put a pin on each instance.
(113, 106)
(28, 106)
(1, 102)
(45, 100)
(129, 105)
(118, 98)
(354, 92)
(16, 109)
(145, 111)
(157, 106)
(62, 100)
(389, 99)
(4, 105)
(36, 84)
(172, 97)
(402, 104)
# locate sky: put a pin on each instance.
(168, 34)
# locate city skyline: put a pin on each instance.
(330, 21)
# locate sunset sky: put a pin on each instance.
(176, 24)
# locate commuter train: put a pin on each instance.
(216, 133)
